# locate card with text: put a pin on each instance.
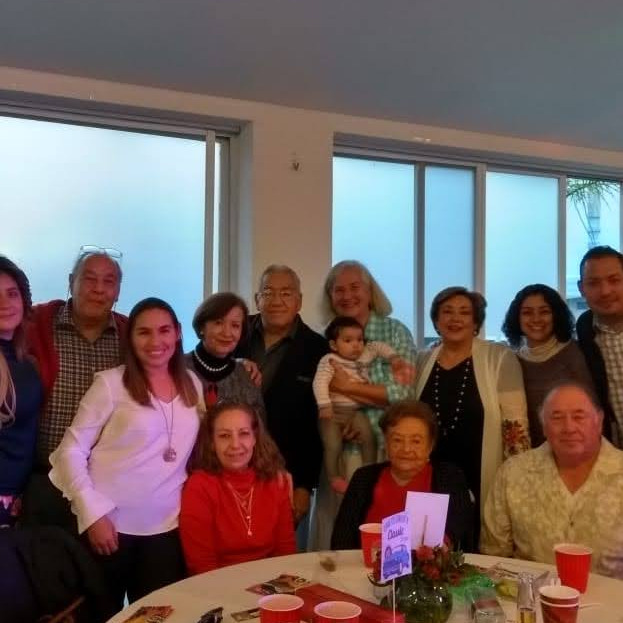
(395, 546)
(428, 513)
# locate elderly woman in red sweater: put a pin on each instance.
(236, 503)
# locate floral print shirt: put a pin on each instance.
(529, 509)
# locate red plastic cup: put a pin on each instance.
(559, 604)
(280, 609)
(336, 612)
(370, 542)
(573, 562)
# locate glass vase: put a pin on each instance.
(422, 600)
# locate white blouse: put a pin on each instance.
(110, 461)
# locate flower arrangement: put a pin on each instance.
(433, 564)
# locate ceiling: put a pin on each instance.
(543, 69)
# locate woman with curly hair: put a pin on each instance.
(539, 326)
(236, 503)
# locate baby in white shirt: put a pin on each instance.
(354, 356)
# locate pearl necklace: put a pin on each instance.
(244, 504)
(454, 417)
(206, 366)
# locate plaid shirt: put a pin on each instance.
(610, 344)
(79, 360)
(394, 333)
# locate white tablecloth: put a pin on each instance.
(226, 587)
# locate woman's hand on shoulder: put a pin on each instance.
(103, 536)
(253, 371)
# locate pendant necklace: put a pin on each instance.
(169, 455)
(244, 503)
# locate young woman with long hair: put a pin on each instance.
(21, 392)
(122, 462)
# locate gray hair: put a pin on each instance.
(378, 299)
(585, 389)
(279, 268)
(83, 257)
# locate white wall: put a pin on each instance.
(285, 215)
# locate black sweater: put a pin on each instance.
(358, 498)
(291, 411)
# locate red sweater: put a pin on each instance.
(389, 497)
(212, 529)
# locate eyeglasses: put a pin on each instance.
(285, 295)
(90, 249)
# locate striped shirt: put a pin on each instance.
(610, 344)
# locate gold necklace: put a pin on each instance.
(244, 504)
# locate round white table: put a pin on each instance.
(225, 587)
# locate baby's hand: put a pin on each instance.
(402, 371)
(325, 413)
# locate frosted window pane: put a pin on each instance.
(64, 186)
(373, 208)
(593, 218)
(449, 237)
(521, 239)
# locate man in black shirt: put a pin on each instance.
(287, 352)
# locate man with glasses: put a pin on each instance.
(71, 341)
(287, 352)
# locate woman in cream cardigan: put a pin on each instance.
(475, 388)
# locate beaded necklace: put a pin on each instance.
(453, 417)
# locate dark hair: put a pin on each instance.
(266, 460)
(217, 306)
(83, 257)
(562, 317)
(475, 298)
(134, 378)
(597, 253)
(332, 332)
(409, 408)
(11, 269)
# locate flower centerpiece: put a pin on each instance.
(424, 596)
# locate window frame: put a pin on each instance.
(147, 122)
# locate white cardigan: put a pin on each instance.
(500, 384)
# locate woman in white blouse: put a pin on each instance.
(122, 462)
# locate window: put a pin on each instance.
(422, 225)
(449, 238)
(66, 185)
(373, 222)
(521, 239)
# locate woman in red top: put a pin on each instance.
(236, 503)
(379, 490)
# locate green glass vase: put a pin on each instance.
(422, 600)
